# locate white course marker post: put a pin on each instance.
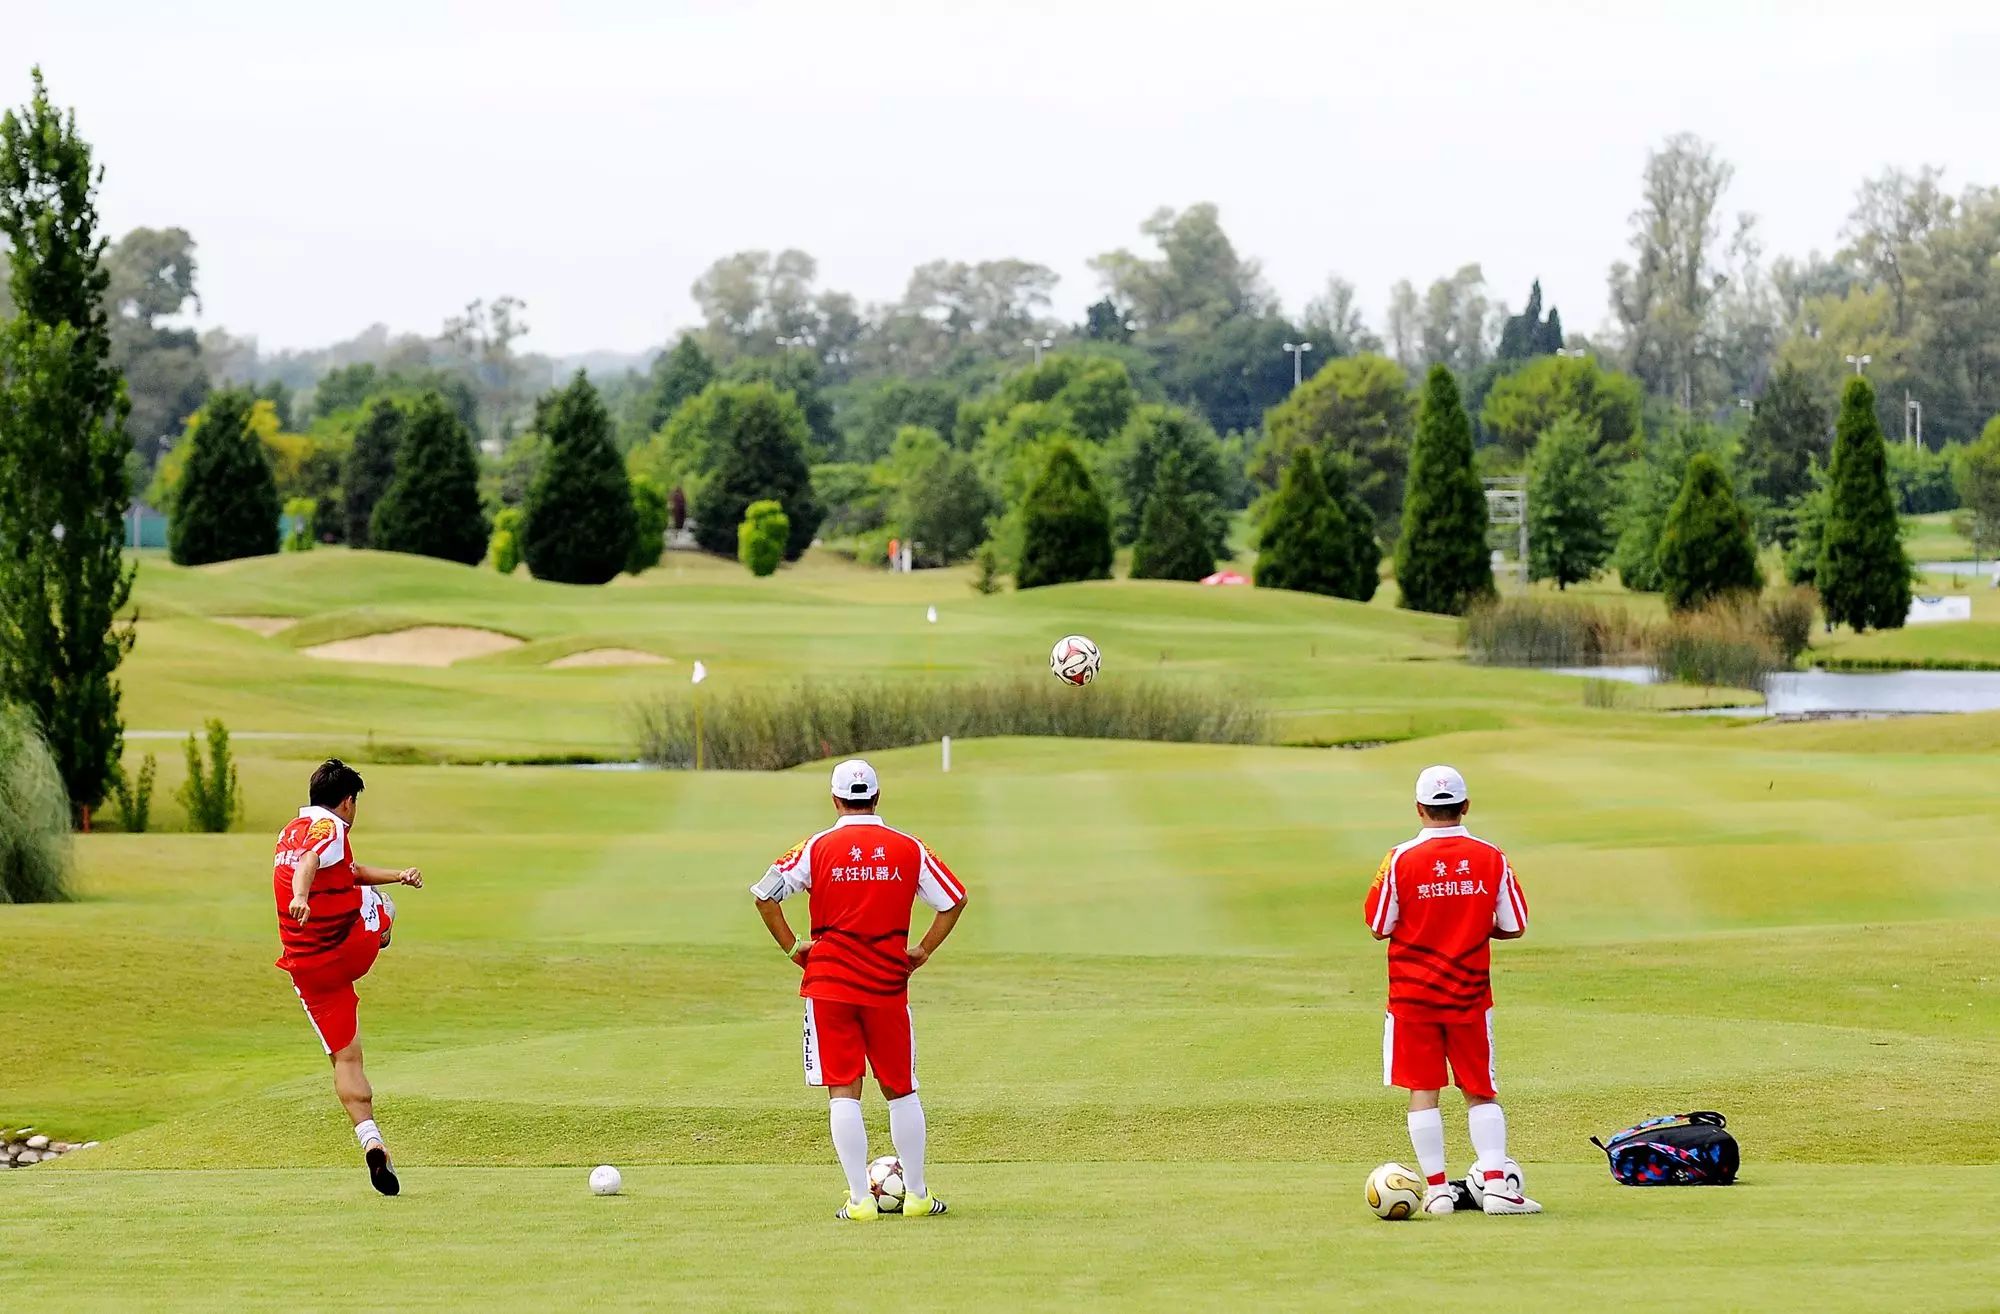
(947, 754)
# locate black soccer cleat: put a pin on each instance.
(382, 1173)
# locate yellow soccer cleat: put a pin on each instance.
(922, 1206)
(858, 1211)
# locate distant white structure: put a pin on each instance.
(1932, 610)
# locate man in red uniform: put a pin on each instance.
(864, 879)
(332, 922)
(1439, 900)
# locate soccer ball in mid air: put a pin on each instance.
(885, 1179)
(1075, 660)
(1394, 1192)
(605, 1180)
(1515, 1185)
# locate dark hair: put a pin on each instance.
(1449, 814)
(334, 783)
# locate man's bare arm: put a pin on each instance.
(409, 876)
(302, 883)
(773, 913)
(940, 928)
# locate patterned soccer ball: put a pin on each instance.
(1515, 1184)
(1394, 1192)
(885, 1179)
(1075, 660)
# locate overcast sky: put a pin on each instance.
(341, 164)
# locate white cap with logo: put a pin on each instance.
(854, 780)
(1440, 786)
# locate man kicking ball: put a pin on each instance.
(1439, 900)
(332, 922)
(863, 879)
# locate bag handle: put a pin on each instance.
(1703, 1117)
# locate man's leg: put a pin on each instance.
(834, 1051)
(850, 1137)
(1413, 1058)
(336, 1017)
(1472, 1066)
(892, 1052)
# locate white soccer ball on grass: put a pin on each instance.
(1075, 660)
(606, 1180)
(1394, 1192)
(885, 1180)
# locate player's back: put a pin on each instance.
(334, 900)
(864, 884)
(1439, 898)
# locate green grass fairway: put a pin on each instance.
(1151, 1055)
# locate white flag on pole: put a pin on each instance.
(700, 673)
(930, 614)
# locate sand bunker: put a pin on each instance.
(420, 645)
(608, 657)
(264, 625)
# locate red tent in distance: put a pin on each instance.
(1226, 577)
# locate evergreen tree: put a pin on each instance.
(578, 526)
(1174, 542)
(226, 504)
(1363, 552)
(1707, 550)
(941, 508)
(370, 466)
(1787, 429)
(1651, 486)
(1304, 542)
(1864, 574)
(1569, 505)
(677, 375)
(63, 450)
(431, 508)
(1135, 457)
(650, 513)
(1441, 560)
(753, 441)
(761, 537)
(1065, 525)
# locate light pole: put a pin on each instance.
(1298, 350)
(1039, 344)
(1858, 362)
(1911, 404)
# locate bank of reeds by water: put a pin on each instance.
(1732, 642)
(771, 729)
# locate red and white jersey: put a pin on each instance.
(864, 878)
(1439, 898)
(334, 902)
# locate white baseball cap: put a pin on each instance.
(1440, 786)
(855, 779)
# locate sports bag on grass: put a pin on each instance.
(1680, 1149)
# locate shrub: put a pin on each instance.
(302, 512)
(767, 730)
(34, 816)
(504, 550)
(1788, 620)
(1722, 645)
(211, 796)
(986, 570)
(650, 515)
(135, 798)
(1534, 631)
(760, 539)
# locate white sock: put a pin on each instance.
(367, 1132)
(850, 1142)
(906, 1129)
(1427, 1139)
(1488, 1127)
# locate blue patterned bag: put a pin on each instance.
(1680, 1149)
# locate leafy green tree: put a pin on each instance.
(371, 465)
(1065, 525)
(1103, 321)
(1093, 394)
(872, 413)
(1864, 574)
(1234, 373)
(1198, 281)
(1363, 551)
(1707, 550)
(1305, 540)
(1527, 335)
(1805, 529)
(1977, 475)
(226, 504)
(1136, 455)
(431, 508)
(1787, 430)
(578, 526)
(1651, 486)
(1521, 406)
(152, 278)
(798, 373)
(761, 537)
(1569, 505)
(63, 450)
(1173, 543)
(343, 388)
(1441, 559)
(650, 514)
(942, 508)
(752, 442)
(679, 373)
(1359, 407)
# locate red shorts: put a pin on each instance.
(326, 986)
(1414, 1054)
(839, 1036)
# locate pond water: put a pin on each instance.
(1799, 693)
(1958, 568)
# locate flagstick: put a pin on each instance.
(697, 727)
